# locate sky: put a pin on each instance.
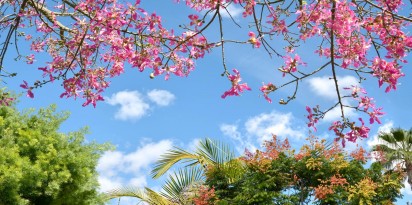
(145, 117)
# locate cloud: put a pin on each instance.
(325, 86)
(132, 105)
(161, 97)
(266, 124)
(232, 11)
(242, 142)
(336, 114)
(259, 128)
(118, 169)
(374, 140)
(407, 189)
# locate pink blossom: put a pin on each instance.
(291, 64)
(236, 87)
(357, 132)
(375, 115)
(253, 40)
(266, 89)
(388, 72)
(356, 91)
(366, 103)
(30, 59)
(26, 86)
(28, 37)
(195, 20)
(312, 120)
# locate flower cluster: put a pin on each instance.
(236, 88)
(291, 64)
(388, 72)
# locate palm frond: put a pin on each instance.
(146, 195)
(208, 152)
(172, 157)
(158, 199)
(215, 152)
(398, 134)
(180, 185)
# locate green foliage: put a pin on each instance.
(318, 173)
(396, 150)
(40, 165)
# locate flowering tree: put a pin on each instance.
(318, 173)
(90, 41)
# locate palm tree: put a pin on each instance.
(181, 185)
(176, 190)
(208, 153)
(396, 147)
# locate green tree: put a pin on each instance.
(396, 149)
(319, 173)
(40, 165)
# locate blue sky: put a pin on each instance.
(145, 117)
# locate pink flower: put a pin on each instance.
(388, 72)
(291, 64)
(28, 37)
(356, 91)
(337, 128)
(30, 59)
(312, 120)
(236, 87)
(253, 40)
(26, 86)
(266, 89)
(366, 103)
(375, 115)
(195, 20)
(357, 132)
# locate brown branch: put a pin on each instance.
(49, 15)
(390, 12)
(10, 33)
(332, 58)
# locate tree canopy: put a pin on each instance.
(319, 173)
(40, 165)
(88, 42)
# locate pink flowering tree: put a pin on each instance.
(88, 42)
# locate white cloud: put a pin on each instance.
(266, 124)
(161, 97)
(325, 86)
(109, 183)
(132, 105)
(118, 169)
(336, 114)
(233, 10)
(259, 128)
(407, 189)
(144, 156)
(193, 144)
(241, 141)
(231, 131)
(374, 140)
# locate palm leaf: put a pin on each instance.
(182, 183)
(208, 152)
(172, 157)
(146, 195)
(215, 152)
